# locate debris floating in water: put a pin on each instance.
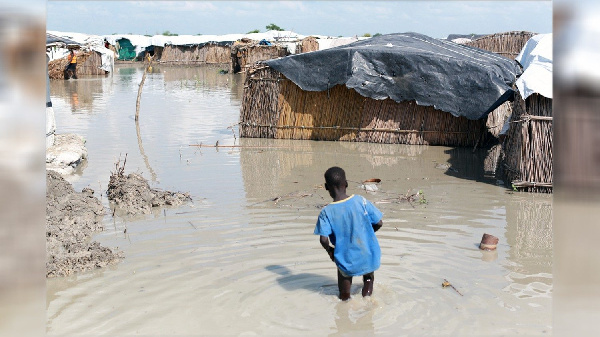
(448, 284)
(488, 242)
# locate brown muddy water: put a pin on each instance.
(241, 259)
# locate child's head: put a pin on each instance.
(335, 178)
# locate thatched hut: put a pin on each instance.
(507, 44)
(528, 144)
(246, 53)
(195, 54)
(88, 63)
(396, 88)
(309, 43)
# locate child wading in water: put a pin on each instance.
(350, 222)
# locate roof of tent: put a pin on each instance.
(54, 40)
(536, 59)
(461, 80)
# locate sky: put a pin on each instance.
(334, 18)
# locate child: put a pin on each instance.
(350, 222)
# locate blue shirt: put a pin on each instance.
(349, 225)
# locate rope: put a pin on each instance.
(527, 118)
(337, 127)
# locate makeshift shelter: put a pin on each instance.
(246, 52)
(309, 43)
(203, 53)
(528, 144)
(397, 88)
(126, 50)
(88, 63)
(507, 44)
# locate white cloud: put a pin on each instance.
(293, 5)
(175, 6)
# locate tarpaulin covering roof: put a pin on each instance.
(52, 39)
(458, 79)
(536, 59)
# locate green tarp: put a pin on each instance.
(126, 50)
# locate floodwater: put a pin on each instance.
(241, 259)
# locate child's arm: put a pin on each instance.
(325, 243)
(377, 225)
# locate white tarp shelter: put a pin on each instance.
(87, 42)
(536, 59)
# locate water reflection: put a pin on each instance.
(142, 152)
(529, 236)
(128, 74)
(305, 162)
(80, 94)
(201, 78)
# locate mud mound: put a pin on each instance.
(71, 219)
(133, 194)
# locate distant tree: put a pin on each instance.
(254, 31)
(376, 34)
(366, 35)
(273, 26)
(148, 35)
(198, 34)
(168, 33)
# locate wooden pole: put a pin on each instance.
(139, 95)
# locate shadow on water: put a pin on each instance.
(481, 165)
(308, 281)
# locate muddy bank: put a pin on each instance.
(71, 219)
(66, 153)
(132, 194)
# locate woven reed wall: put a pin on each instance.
(529, 232)
(528, 145)
(274, 107)
(88, 63)
(508, 44)
(496, 119)
(309, 43)
(206, 54)
(247, 56)
(492, 161)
